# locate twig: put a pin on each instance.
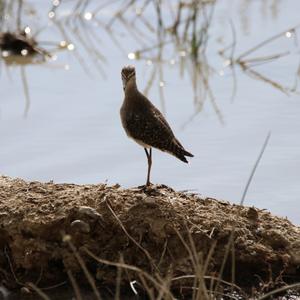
(19, 14)
(231, 237)
(128, 267)
(267, 41)
(291, 286)
(11, 268)
(26, 91)
(130, 237)
(255, 167)
(74, 285)
(51, 287)
(118, 280)
(83, 266)
(38, 290)
(261, 77)
(234, 89)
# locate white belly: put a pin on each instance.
(139, 142)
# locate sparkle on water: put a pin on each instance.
(27, 30)
(288, 34)
(71, 47)
(5, 53)
(63, 44)
(138, 11)
(88, 16)
(226, 63)
(51, 14)
(182, 53)
(24, 52)
(131, 55)
(56, 2)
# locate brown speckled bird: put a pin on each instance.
(145, 124)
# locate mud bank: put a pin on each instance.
(48, 230)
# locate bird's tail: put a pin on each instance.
(178, 151)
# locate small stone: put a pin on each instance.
(66, 238)
(25, 290)
(252, 214)
(81, 226)
(89, 211)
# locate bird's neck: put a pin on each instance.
(130, 86)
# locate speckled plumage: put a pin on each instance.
(144, 123)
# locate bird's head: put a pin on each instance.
(128, 73)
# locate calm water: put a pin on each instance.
(73, 133)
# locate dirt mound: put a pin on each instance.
(47, 230)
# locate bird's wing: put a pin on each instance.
(146, 124)
(160, 116)
(162, 119)
(150, 129)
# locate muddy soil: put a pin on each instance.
(48, 230)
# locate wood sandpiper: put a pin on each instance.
(145, 124)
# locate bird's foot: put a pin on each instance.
(146, 186)
(150, 189)
(164, 187)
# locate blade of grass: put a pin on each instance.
(291, 286)
(231, 237)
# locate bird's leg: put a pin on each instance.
(149, 158)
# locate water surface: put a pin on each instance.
(72, 130)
